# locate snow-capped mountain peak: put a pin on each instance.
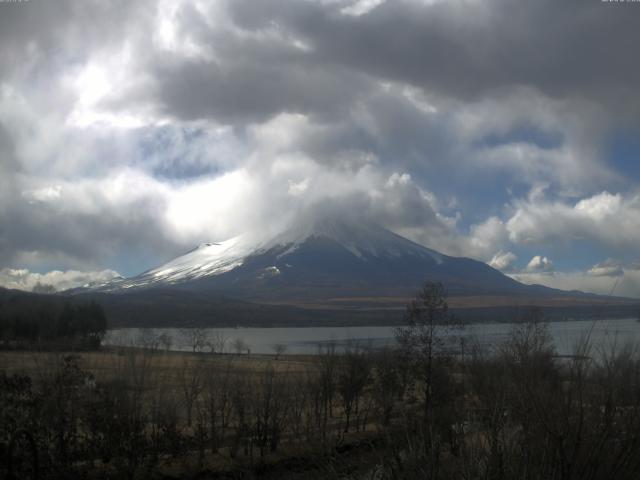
(360, 237)
(343, 252)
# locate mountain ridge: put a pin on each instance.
(321, 257)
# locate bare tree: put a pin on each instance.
(218, 385)
(239, 346)
(327, 377)
(279, 349)
(353, 376)
(217, 342)
(148, 339)
(423, 343)
(388, 384)
(270, 404)
(191, 380)
(301, 409)
(165, 341)
(423, 340)
(241, 401)
(195, 338)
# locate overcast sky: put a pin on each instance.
(503, 130)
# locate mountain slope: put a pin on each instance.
(320, 258)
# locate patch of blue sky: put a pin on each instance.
(623, 153)
(478, 194)
(182, 153)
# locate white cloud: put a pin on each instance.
(44, 194)
(361, 7)
(610, 277)
(503, 261)
(540, 264)
(611, 220)
(608, 268)
(485, 237)
(500, 133)
(23, 279)
(298, 188)
(627, 285)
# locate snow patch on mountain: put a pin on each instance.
(269, 272)
(205, 260)
(361, 238)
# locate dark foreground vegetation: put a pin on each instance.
(427, 410)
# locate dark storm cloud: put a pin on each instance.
(8, 161)
(260, 59)
(466, 49)
(247, 93)
(9, 166)
(58, 227)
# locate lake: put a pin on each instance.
(303, 340)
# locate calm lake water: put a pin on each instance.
(566, 334)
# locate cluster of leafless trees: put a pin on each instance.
(421, 410)
(153, 408)
(517, 410)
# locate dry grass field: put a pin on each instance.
(110, 363)
(109, 357)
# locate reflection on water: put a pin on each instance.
(566, 334)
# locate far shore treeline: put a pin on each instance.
(31, 316)
(28, 321)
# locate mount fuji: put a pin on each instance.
(323, 270)
(319, 258)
